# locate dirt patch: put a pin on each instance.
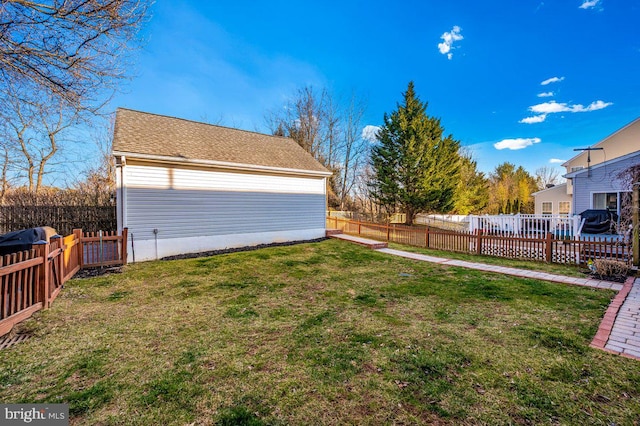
(238, 249)
(96, 272)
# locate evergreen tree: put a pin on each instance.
(415, 168)
(472, 193)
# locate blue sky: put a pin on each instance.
(542, 76)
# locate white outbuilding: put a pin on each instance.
(188, 187)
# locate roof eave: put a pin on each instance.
(553, 188)
(601, 141)
(221, 164)
(603, 164)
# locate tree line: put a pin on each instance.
(408, 165)
(61, 62)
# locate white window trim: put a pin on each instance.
(568, 212)
(618, 200)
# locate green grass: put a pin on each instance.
(552, 268)
(324, 333)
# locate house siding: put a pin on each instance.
(599, 179)
(180, 213)
(198, 210)
(553, 195)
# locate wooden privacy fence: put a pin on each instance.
(548, 248)
(32, 279)
(64, 219)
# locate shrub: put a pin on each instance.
(610, 268)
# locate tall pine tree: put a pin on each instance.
(472, 194)
(415, 168)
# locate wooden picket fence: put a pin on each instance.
(31, 280)
(548, 248)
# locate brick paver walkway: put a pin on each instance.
(619, 331)
(524, 273)
(625, 334)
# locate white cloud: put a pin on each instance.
(589, 4)
(556, 161)
(550, 108)
(534, 119)
(514, 144)
(552, 80)
(448, 39)
(553, 107)
(545, 94)
(370, 133)
(594, 106)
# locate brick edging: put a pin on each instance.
(602, 336)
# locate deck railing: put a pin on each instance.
(526, 225)
(32, 279)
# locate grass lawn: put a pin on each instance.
(324, 333)
(551, 268)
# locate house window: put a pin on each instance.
(547, 207)
(606, 201)
(564, 207)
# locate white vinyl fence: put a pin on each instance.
(527, 225)
(520, 225)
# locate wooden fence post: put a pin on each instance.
(549, 247)
(479, 241)
(426, 237)
(359, 227)
(125, 239)
(43, 274)
(77, 234)
(57, 271)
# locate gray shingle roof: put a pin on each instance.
(156, 135)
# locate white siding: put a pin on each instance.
(194, 210)
(553, 195)
(176, 178)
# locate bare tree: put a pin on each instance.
(4, 166)
(628, 177)
(60, 61)
(355, 149)
(98, 183)
(36, 126)
(330, 131)
(73, 49)
(547, 176)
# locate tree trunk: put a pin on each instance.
(410, 216)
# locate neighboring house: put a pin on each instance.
(591, 176)
(599, 186)
(185, 187)
(553, 201)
